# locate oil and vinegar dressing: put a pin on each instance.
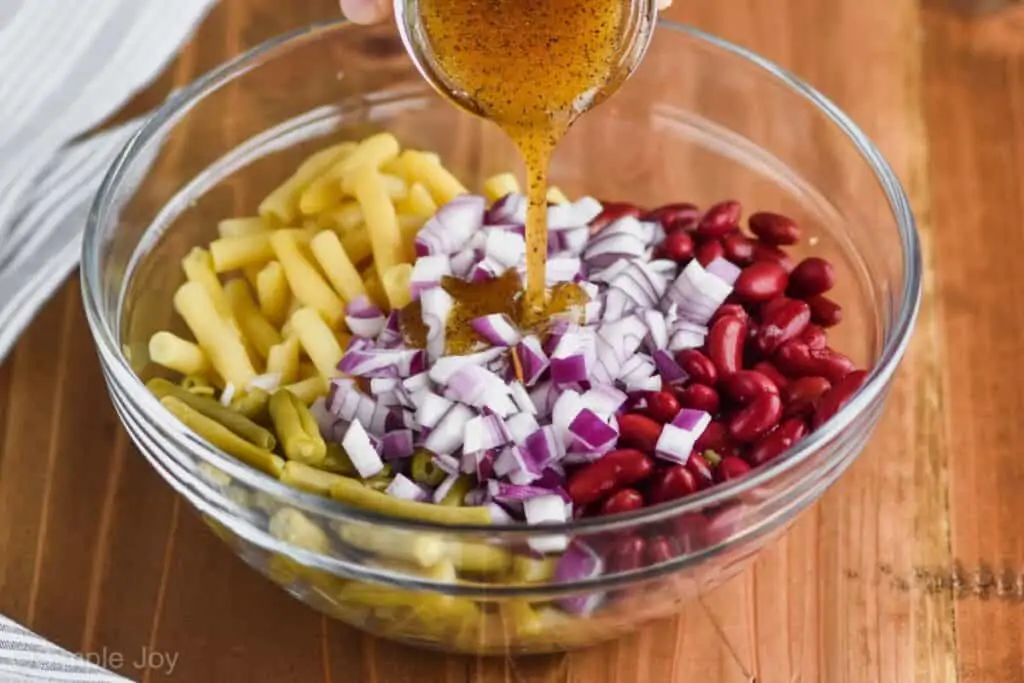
(532, 67)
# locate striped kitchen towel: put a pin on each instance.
(65, 67)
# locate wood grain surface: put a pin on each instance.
(910, 569)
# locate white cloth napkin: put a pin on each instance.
(65, 67)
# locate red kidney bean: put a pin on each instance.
(628, 554)
(814, 336)
(697, 366)
(793, 359)
(623, 500)
(786, 320)
(659, 549)
(714, 438)
(595, 480)
(830, 364)
(709, 251)
(824, 311)
(725, 343)
(638, 431)
(701, 470)
(674, 216)
(746, 385)
(699, 397)
(777, 441)
(611, 212)
(773, 228)
(766, 253)
(753, 421)
(761, 281)
(739, 249)
(678, 246)
(811, 277)
(731, 468)
(801, 396)
(662, 406)
(839, 394)
(730, 308)
(770, 371)
(720, 220)
(672, 483)
(769, 307)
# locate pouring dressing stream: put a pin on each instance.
(532, 67)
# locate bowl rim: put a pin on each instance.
(120, 371)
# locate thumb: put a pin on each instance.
(366, 11)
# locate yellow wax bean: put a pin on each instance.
(215, 336)
(273, 293)
(283, 359)
(500, 185)
(443, 186)
(381, 220)
(308, 390)
(294, 528)
(240, 227)
(234, 253)
(255, 326)
(305, 282)
(175, 353)
(283, 203)
(317, 341)
(337, 266)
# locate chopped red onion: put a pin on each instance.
(579, 563)
(362, 451)
(568, 242)
(227, 394)
(427, 273)
(378, 419)
(567, 407)
(477, 496)
(591, 434)
(383, 385)
(442, 371)
(684, 334)
(623, 239)
(391, 335)
(566, 269)
(445, 487)
(546, 510)
(574, 356)
(653, 232)
(609, 273)
(462, 262)
(363, 317)
(446, 437)
(507, 249)
(510, 209)
(724, 270)
(521, 397)
(603, 399)
(447, 463)
(483, 433)
(497, 329)
(416, 383)
(664, 267)
(697, 294)
(657, 329)
(406, 489)
(671, 371)
(678, 438)
(532, 359)
(543, 397)
(480, 388)
(520, 426)
(324, 418)
(396, 444)
(574, 215)
(436, 304)
(512, 493)
(452, 226)
(543, 447)
(498, 514)
(382, 362)
(431, 410)
(486, 269)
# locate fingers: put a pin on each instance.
(664, 4)
(366, 11)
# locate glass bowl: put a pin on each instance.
(700, 121)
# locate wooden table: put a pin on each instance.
(918, 552)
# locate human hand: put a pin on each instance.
(372, 11)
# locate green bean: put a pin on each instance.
(223, 438)
(291, 526)
(478, 558)
(380, 481)
(338, 462)
(299, 442)
(423, 469)
(308, 478)
(253, 404)
(197, 384)
(457, 494)
(423, 550)
(210, 408)
(352, 492)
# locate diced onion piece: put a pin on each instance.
(563, 412)
(227, 394)
(520, 426)
(543, 447)
(573, 358)
(574, 215)
(497, 329)
(479, 387)
(521, 397)
(391, 335)
(449, 464)
(671, 371)
(563, 269)
(509, 209)
(546, 509)
(442, 490)
(406, 489)
(498, 514)
(427, 274)
(591, 433)
(361, 451)
(684, 334)
(678, 437)
(363, 317)
(532, 359)
(369, 362)
(579, 563)
(657, 329)
(724, 270)
(603, 399)
(432, 410)
(697, 293)
(397, 444)
(484, 433)
(452, 226)
(446, 437)
(504, 247)
(442, 371)
(436, 304)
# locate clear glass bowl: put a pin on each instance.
(701, 121)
